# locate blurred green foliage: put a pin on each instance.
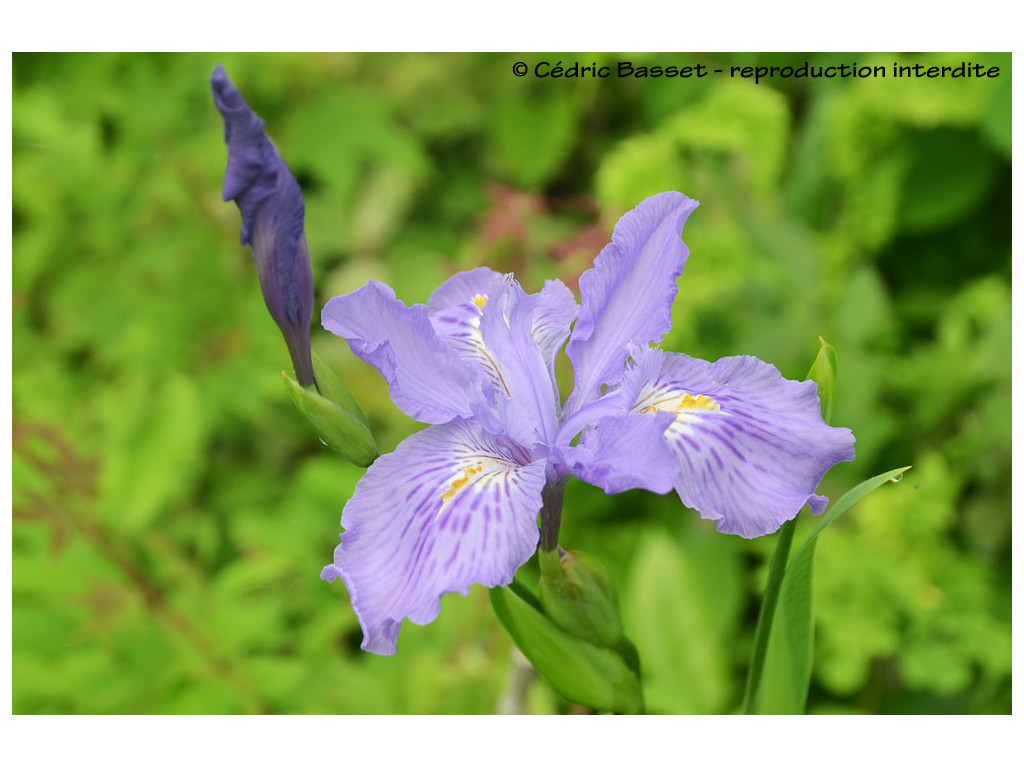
(172, 512)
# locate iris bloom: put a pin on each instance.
(457, 503)
(273, 212)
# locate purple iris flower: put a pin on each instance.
(457, 503)
(270, 200)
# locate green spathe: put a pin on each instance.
(334, 414)
(577, 593)
(582, 672)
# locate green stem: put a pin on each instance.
(550, 565)
(776, 570)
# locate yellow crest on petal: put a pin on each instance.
(676, 404)
(460, 482)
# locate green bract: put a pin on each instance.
(334, 415)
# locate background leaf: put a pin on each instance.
(679, 602)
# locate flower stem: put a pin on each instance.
(551, 513)
(776, 570)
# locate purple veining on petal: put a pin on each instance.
(528, 405)
(443, 542)
(512, 337)
(752, 460)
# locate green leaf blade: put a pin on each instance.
(823, 373)
(790, 655)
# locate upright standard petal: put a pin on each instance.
(450, 507)
(456, 306)
(552, 320)
(527, 397)
(455, 310)
(273, 212)
(750, 446)
(627, 295)
(513, 338)
(428, 380)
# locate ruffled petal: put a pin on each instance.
(627, 295)
(750, 446)
(428, 380)
(448, 508)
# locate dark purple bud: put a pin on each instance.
(270, 200)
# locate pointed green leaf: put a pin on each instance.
(580, 671)
(787, 669)
(789, 656)
(823, 373)
(852, 496)
(766, 616)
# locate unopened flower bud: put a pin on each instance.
(577, 593)
(273, 213)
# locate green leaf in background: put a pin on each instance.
(596, 677)
(950, 173)
(532, 136)
(995, 123)
(740, 119)
(787, 669)
(679, 605)
(637, 168)
(158, 454)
